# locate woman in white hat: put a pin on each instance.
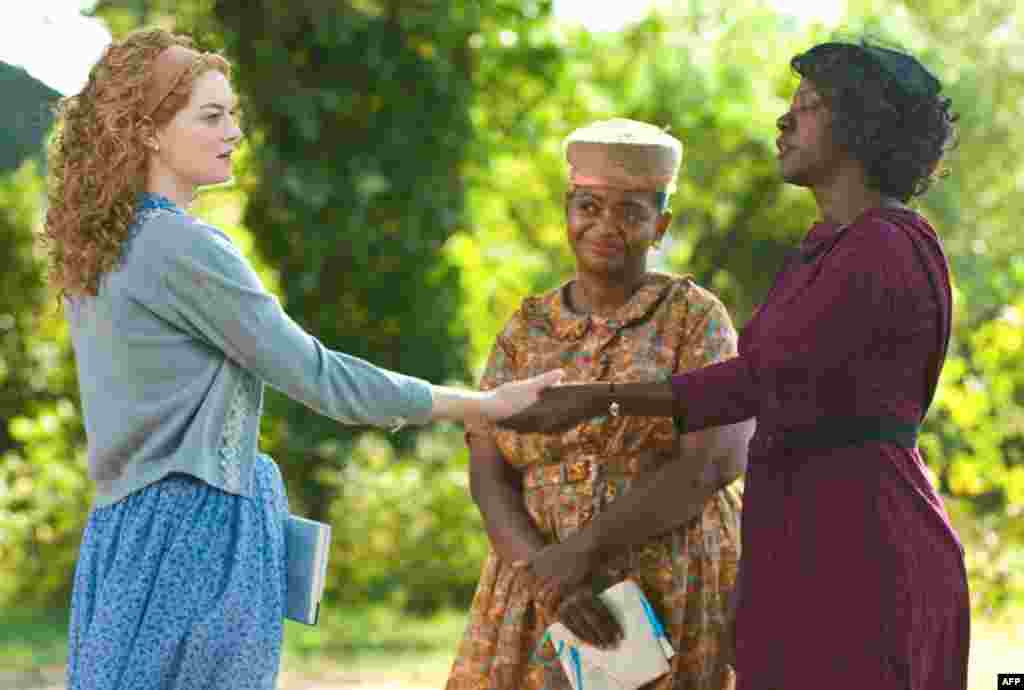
(615, 321)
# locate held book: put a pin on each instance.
(307, 545)
(641, 656)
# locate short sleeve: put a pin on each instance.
(710, 335)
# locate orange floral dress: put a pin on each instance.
(670, 325)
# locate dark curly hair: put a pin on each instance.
(886, 112)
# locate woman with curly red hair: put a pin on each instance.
(180, 578)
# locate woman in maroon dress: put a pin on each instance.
(851, 575)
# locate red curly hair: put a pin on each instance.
(98, 162)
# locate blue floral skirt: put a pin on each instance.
(181, 585)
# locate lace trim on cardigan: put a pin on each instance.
(244, 407)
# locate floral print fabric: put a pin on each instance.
(181, 585)
(670, 325)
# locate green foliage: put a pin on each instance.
(975, 445)
(31, 639)
(376, 638)
(396, 512)
(22, 291)
(43, 490)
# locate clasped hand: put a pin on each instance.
(516, 397)
(558, 408)
(560, 574)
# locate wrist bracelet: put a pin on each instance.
(613, 407)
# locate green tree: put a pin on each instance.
(360, 146)
(43, 490)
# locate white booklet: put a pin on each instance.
(641, 656)
(307, 544)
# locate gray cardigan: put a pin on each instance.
(173, 353)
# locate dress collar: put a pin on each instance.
(819, 239)
(148, 201)
(823, 234)
(551, 312)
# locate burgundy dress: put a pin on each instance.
(851, 574)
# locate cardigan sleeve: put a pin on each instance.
(853, 301)
(208, 290)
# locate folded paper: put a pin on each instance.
(640, 657)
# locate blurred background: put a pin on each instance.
(400, 189)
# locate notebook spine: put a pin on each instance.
(320, 580)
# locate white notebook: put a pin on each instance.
(307, 544)
(641, 656)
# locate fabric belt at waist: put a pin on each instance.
(841, 433)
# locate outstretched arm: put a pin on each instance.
(196, 279)
(468, 406)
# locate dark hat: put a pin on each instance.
(909, 74)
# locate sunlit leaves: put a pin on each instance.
(401, 512)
